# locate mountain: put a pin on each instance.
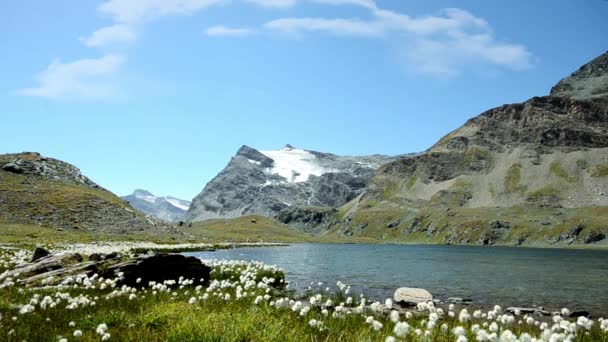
(532, 173)
(38, 190)
(167, 208)
(265, 182)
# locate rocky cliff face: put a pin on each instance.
(167, 208)
(44, 191)
(265, 182)
(538, 168)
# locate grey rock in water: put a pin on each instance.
(410, 296)
(166, 208)
(266, 182)
(523, 311)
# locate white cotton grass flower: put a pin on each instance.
(388, 303)
(459, 331)
(105, 337)
(390, 339)
(377, 325)
(464, 315)
(101, 329)
(401, 329)
(584, 322)
(394, 316)
(77, 333)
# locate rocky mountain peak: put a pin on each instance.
(589, 81)
(265, 182)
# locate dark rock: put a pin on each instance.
(13, 168)
(393, 224)
(500, 225)
(580, 313)
(40, 253)
(158, 268)
(571, 235)
(594, 236)
(254, 221)
(95, 257)
(111, 256)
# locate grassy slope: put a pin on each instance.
(470, 223)
(264, 229)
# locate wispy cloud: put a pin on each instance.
(81, 78)
(334, 26)
(136, 11)
(223, 31)
(274, 3)
(441, 44)
(109, 35)
(363, 3)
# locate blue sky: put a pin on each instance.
(159, 94)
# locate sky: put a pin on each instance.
(160, 94)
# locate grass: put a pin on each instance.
(184, 314)
(513, 180)
(600, 170)
(547, 194)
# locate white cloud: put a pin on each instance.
(118, 33)
(274, 3)
(334, 26)
(440, 44)
(134, 11)
(363, 3)
(80, 78)
(223, 31)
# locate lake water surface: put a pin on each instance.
(553, 278)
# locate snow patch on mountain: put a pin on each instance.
(295, 165)
(184, 205)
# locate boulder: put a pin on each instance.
(95, 257)
(458, 300)
(410, 296)
(523, 311)
(158, 268)
(40, 253)
(580, 313)
(594, 236)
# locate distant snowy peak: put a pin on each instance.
(167, 208)
(295, 165)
